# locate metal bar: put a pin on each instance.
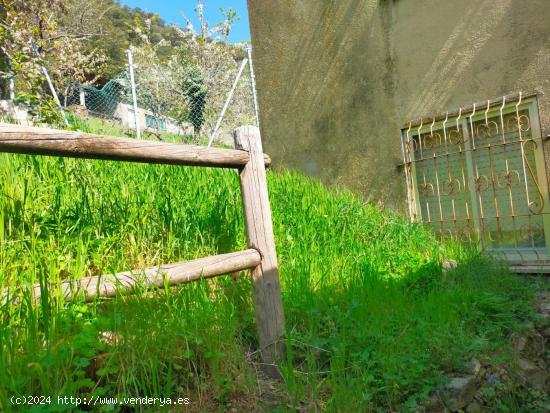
(49, 81)
(487, 136)
(481, 147)
(406, 163)
(12, 89)
(82, 97)
(493, 103)
(50, 84)
(228, 100)
(134, 93)
(253, 85)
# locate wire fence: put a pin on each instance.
(184, 103)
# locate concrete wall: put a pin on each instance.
(338, 78)
(125, 113)
(9, 112)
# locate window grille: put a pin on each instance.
(478, 174)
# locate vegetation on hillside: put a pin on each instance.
(372, 321)
(85, 42)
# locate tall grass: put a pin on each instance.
(108, 127)
(372, 321)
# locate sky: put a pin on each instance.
(171, 12)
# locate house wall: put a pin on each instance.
(338, 78)
(12, 112)
(125, 113)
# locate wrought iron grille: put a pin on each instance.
(478, 175)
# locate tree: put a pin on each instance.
(32, 39)
(180, 73)
(225, 25)
(192, 85)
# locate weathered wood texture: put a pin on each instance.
(259, 230)
(167, 274)
(51, 142)
(261, 257)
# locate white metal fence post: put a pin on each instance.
(82, 97)
(12, 89)
(253, 84)
(50, 83)
(228, 100)
(46, 75)
(134, 95)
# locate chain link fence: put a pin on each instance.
(183, 103)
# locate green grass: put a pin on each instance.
(372, 323)
(108, 127)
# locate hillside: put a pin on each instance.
(115, 32)
(373, 323)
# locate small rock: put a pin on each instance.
(546, 333)
(529, 325)
(435, 405)
(460, 392)
(536, 344)
(531, 374)
(526, 365)
(543, 303)
(475, 367)
(520, 343)
(531, 344)
(473, 407)
(482, 372)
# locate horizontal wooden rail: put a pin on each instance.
(52, 142)
(167, 274)
(261, 258)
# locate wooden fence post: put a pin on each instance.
(259, 232)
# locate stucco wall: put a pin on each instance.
(337, 79)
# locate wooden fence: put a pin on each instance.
(261, 256)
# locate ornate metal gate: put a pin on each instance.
(478, 174)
